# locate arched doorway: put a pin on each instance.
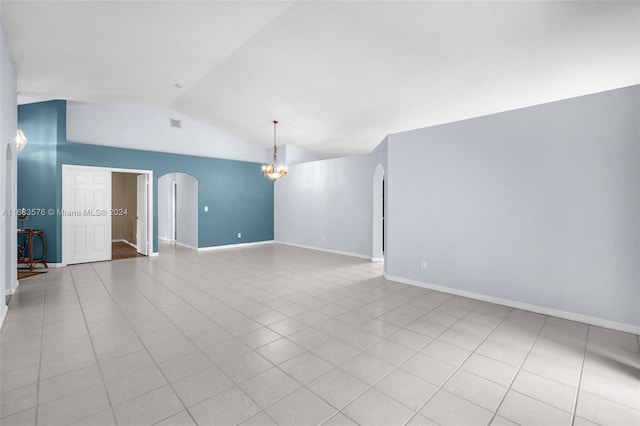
(377, 250)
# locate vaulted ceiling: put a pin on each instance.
(339, 76)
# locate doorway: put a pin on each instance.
(178, 209)
(378, 240)
(88, 213)
(127, 205)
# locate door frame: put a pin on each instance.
(149, 174)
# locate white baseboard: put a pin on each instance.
(186, 246)
(166, 239)
(600, 322)
(377, 259)
(3, 313)
(234, 246)
(12, 291)
(122, 240)
(154, 254)
(344, 253)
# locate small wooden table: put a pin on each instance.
(25, 250)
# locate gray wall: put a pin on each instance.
(8, 175)
(327, 204)
(539, 205)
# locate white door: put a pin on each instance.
(86, 220)
(141, 235)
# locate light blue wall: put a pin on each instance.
(539, 205)
(239, 198)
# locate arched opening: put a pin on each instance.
(178, 210)
(377, 251)
(10, 221)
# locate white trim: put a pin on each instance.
(186, 246)
(56, 265)
(344, 253)
(165, 239)
(154, 254)
(12, 291)
(600, 322)
(3, 314)
(377, 259)
(122, 240)
(149, 174)
(233, 246)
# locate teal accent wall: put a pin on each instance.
(239, 198)
(44, 126)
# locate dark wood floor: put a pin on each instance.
(122, 250)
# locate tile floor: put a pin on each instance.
(280, 335)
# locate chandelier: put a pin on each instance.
(21, 140)
(274, 171)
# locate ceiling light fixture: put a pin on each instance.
(274, 171)
(21, 140)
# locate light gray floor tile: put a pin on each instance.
(375, 408)
(260, 419)
(245, 366)
(339, 420)
(446, 408)
(602, 411)
(18, 399)
(181, 419)
(300, 408)
(621, 392)
(335, 351)
(124, 365)
(224, 351)
(148, 408)
(202, 385)
(406, 388)
(280, 351)
(482, 392)
(504, 353)
(305, 367)
(337, 387)
(525, 411)
(183, 313)
(68, 383)
(551, 369)
(410, 339)
(227, 408)
(490, 369)
(259, 337)
(23, 418)
(390, 352)
(446, 352)
(429, 369)
(103, 418)
(269, 387)
(185, 365)
(20, 377)
(172, 349)
(74, 407)
(135, 384)
(367, 368)
(545, 390)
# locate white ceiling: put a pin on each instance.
(339, 76)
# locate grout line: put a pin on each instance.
(584, 358)
(495, 413)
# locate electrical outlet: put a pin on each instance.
(239, 234)
(206, 208)
(423, 264)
